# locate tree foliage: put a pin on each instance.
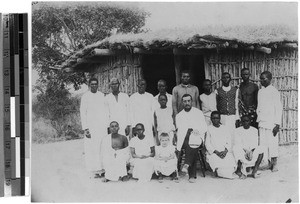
(60, 29)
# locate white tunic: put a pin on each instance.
(169, 103)
(269, 107)
(143, 168)
(193, 119)
(118, 110)
(164, 120)
(208, 105)
(141, 111)
(165, 167)
(219, 139)
(246, 139)
(94, 116)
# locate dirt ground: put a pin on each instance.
(58, 175)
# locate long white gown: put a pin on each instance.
(94, 116)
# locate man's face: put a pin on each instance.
(142, 87)
(94, 86)
(162, 100)
(139, 130)
(207, 86)
(164, 142)
(245, 75)
(114, 86)
(226, 79)
(185, 78)
(246, 122)
(187, 103)
(264, 80)
(161, 86)
(215, 119)
(114, 128)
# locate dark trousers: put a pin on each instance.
(191, 156)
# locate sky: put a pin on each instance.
(179, 14)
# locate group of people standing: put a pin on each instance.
(143, 134)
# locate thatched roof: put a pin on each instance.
(212, 37)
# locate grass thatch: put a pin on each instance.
(185, 37)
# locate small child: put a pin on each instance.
(164, 119)
(165, 162)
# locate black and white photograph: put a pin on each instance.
(164, 102)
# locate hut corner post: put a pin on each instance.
(178, 64)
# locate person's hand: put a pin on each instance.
(87, 133)
(249, 155)
(275, 130)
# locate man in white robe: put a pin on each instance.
(191, 130)
(115, 152)
(141, 109)
(217, 144)
(246, 151)
(269, 112)
(118, 106)
(94, 121)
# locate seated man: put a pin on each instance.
(165, 163)
(115, 154)
(191, 130)
(142, 152)
(217, 144)
(246, 150)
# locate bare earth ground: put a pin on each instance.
(58, 175)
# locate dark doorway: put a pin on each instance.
(156, 67)
(195, 64)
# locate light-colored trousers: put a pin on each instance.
(270, 143)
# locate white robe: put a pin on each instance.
(193, 119)
(165, 167)
(114, 161)
(143, 168)
(94, 116)
(118, 110)
(219, 139)
(141, 111)
(246, 139)
(208, 105)
(269, 112)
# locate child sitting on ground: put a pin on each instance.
(165, 163)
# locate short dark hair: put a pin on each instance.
(162, 80)
(226, 73)
(113, 122)
(245, 116)
(206, 80)
(160, 95)
(140, 124)
(268, 74)
(244, 69)
(185, 71)
(186, 95)
(93, 79)
(214, 113)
